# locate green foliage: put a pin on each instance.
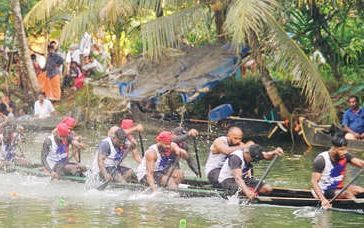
(248, 98)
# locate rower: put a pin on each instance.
(181, 137)
(9, 139)
(329, 168)
(219, 151)
(54, 154)
(159, 165)
(130, 127)
(77, 145)
(112, 151)
(237, 171)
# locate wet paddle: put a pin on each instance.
(141, 143)
(102, 186)
(265, 174)
(197, 157)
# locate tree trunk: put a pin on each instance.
(267, 80)
(23, 47)
(320, 43)
(220, 15)
(273, 93)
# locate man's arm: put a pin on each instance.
(151, 157)
(237, 174)
(315, 178)
(101, 163)
(179, 151)
(357, 162)
(137, 128)
(104, 151)
(45, 151)
(346, 122)
(135, 153)
(221, 147)
(318, 167)
(269, 155)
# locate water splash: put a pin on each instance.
(307, 212)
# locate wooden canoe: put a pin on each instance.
(196, 187)
(314, 136)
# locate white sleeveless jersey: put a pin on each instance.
(142, 168)
(332, 176)
(57, 154)
(226, 173)
(215, 161)
(114, 158)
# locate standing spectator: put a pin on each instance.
(36, 65)
(52, 87)
(43, 108)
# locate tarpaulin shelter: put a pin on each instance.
(191, 72)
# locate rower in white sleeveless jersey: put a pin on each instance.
(329, 168)
(55, 150)
(219, 151)
(237, 171)
(159, 165)
(110, 155)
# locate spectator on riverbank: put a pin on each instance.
(36, 65)
(7, 107)
(43, 108)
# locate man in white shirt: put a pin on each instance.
(43, 108)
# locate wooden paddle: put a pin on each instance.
(141, 143)
(347, 185)
(197, 157)
(102, 186)
(265, 174)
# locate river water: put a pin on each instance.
(27, 201)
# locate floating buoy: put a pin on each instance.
(13, 194)
(61, 202)
(71, 219)
(182, 223)
(119, 211)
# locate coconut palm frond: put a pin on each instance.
(305, 73)
(85, 21)
(247, 16)
(42, 10)
(166, 31)
(114, 9)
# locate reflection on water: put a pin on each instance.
(40, 202)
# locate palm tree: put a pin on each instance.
(247, 21)
(23, 47)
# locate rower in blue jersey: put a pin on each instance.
(159, 165)
(112, 151)
(9, 140)
(329, 171)
(54, 154)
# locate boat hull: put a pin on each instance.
(201, 188)
(314, 135)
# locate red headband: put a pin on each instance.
(126, 123)
(63, 130)
(69, 121)
(165, 137)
